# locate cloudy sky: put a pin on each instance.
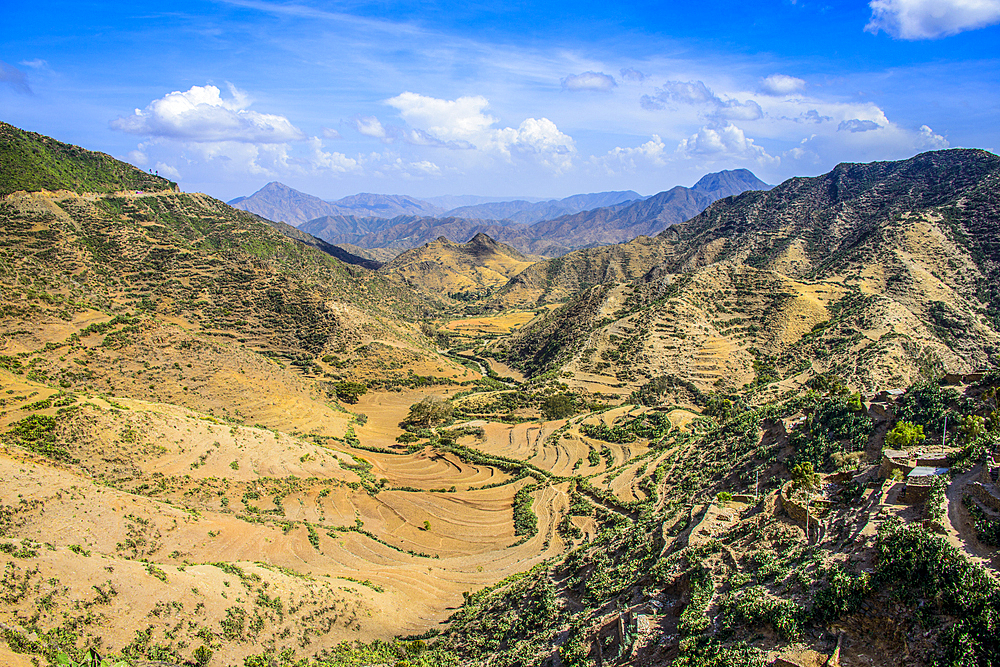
(541, 99)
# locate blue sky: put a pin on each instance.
(520, 98)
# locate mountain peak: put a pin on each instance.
(729, 182)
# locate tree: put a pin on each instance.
(904, 434)
(428, 412)
(349, 392)
(558, 406)
(804, 477)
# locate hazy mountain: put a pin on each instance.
(526, 212)
(383, 206)
(614, 224)
(277, 201)
(451, 202)
(631, 217)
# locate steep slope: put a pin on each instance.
(904, 254)
(458, 270)
(32, 162)
(622, 222)
(343, 254)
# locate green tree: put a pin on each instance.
(428, 412)
(558, 406)
(804, 477)
(904, 434)
(349, 392)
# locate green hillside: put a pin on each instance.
(32, 162)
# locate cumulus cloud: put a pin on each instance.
(653, 153)
(138, 158)
(370, 127)
(930, 140)
(589, 81)
(931, 19)
(335, 162)
(727, 142)
(15, 78)
(201, 114)
(464, 123)
(856, 125)
(697, 93)
(781, 84)
(687, 92)
(330, 133)
(167, 170)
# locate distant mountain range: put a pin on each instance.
(621, 221)
(281, 203)
(276, 201)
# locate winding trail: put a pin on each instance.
(958, 528)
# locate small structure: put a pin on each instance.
(963, 378)
(918, 483)
(888, 395)
(896, 459)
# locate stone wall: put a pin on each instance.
(987, 495)
(796, 509)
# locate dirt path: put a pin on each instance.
(959, 529)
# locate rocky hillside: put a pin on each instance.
(894, 263)
(458, 271)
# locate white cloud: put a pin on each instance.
(202, 115)
(330, 133)
(37, 63)
(781, 84)
(447, 120)
(335, 162)
(463, 123)
(370, 127)
(168, 171)
(653, 153)
(426, 167)
(736, 110)
(931, 19)
(138, 158)
(589, 81)
(725, 143)
(930, 140)
(687, 92)
(856, 125)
